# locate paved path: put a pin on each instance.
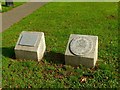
(16, 14)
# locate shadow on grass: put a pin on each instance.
(4, 5)
(57, 58)
(8, 52)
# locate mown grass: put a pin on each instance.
(58, 21)
(6, 8)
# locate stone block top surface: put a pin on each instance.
(81, 45)
(29, 41)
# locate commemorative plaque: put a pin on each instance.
(30, 46)
(82, 49)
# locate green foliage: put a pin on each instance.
(58, 21)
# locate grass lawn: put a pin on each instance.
(5, 8)
(58, 21)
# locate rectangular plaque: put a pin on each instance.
(28, 39)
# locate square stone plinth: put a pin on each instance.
(82, 49)
(30, 46)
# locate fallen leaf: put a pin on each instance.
(83, 79)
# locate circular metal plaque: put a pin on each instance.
(80, 45)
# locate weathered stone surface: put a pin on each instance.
(30, 46)
(28, 39)
(82, 49)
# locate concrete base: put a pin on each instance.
(33, 52)
(87, 58)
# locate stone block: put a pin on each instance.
(30, 46)
(82, 49)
